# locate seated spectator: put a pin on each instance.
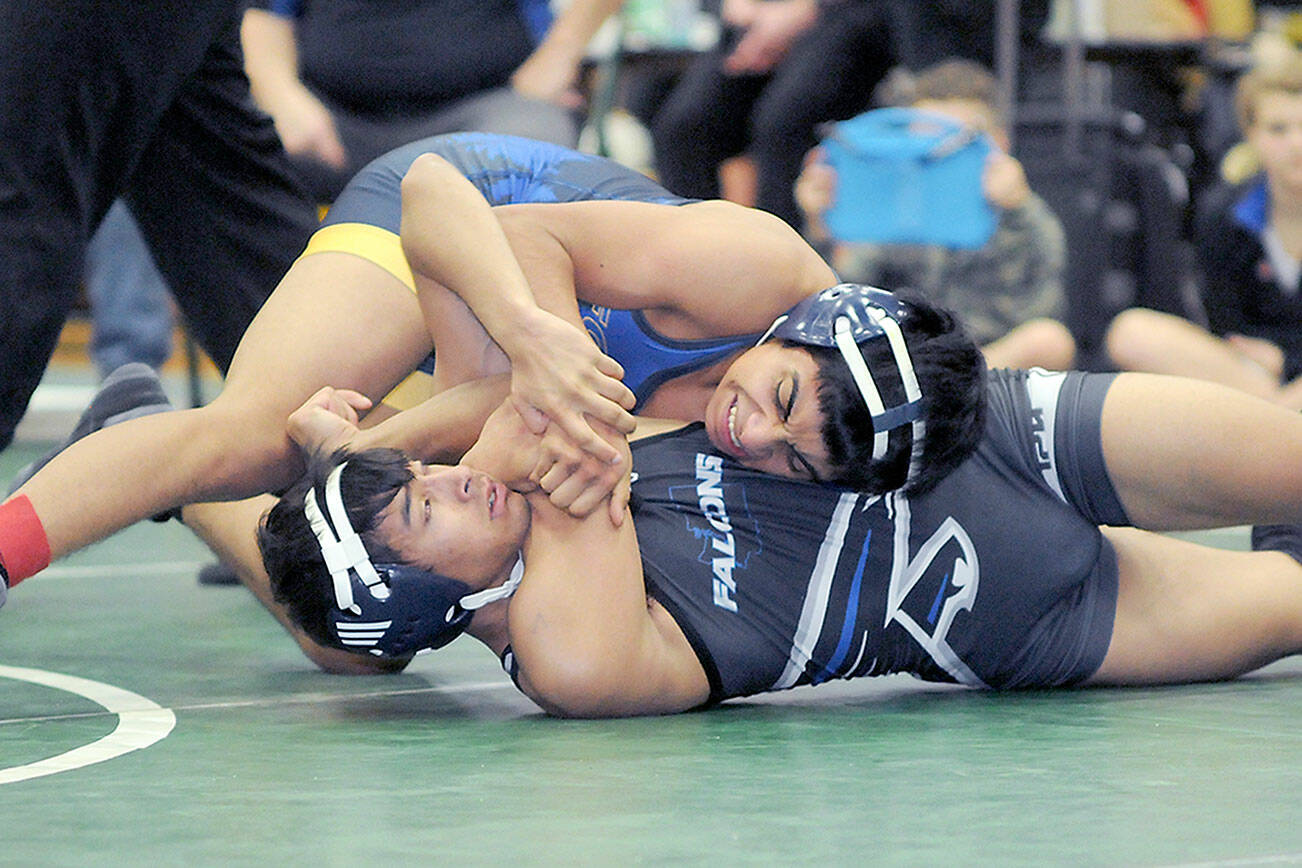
(345, 84)
(1008, 292)
(781, 68)
(1249, 243)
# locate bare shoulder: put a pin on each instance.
(621, 656)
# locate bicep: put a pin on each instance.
(463, 350)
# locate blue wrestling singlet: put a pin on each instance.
(649, 358)
(506, 169)
(365, 220)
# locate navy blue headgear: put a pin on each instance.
(389, 610)
(845, 316)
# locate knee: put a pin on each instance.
(1052, 343)
(1129, 336)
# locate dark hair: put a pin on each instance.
(952, 376)
(290, 550)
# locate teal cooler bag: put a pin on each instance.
(906, 176)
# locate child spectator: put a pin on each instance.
(1008, 292)
(1249, 245)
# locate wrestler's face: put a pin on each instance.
(1276, 135)
(458, 522)
(765, 413)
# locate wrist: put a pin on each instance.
(524, 327)
(360, 440)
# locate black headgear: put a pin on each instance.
(845, 316)
(389, 610)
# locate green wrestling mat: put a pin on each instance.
(181, 727)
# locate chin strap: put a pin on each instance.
(479, 599)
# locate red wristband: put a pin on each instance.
(23, 546)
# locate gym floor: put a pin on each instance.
(146, 718)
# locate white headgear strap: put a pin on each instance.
(863, 378)
(912, 391)
(344, 552)
(479, 599)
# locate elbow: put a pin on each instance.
(423, 174)
(572, 689)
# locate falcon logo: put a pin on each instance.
(929, 592)
(596, 319)
(727, 538)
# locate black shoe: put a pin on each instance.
(129, 392)
(4, 585)
(218, 574)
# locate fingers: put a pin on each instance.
(534, 419)
(580, 494)
(619, 499)
(356, 400)
(578, 430)
(578, 484)
(613, 389)
(610, 367)
(615, 416)
(553, 476)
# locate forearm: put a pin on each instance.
(451, 235)
(442, 428)
(270, 57)
(568, 37)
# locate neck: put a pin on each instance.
(489, 626)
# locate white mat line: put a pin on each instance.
(141, 723)
(96, 571)
(301, 699)
(1277, 859)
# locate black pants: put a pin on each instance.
(829, 74)
(144, 99)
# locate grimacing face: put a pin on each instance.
(457, 522)
(764, 413)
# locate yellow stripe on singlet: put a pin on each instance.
(384, 248)
(372, 243)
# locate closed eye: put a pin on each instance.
(800, 465)
(785, 407)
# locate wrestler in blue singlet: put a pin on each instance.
(365, 220)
